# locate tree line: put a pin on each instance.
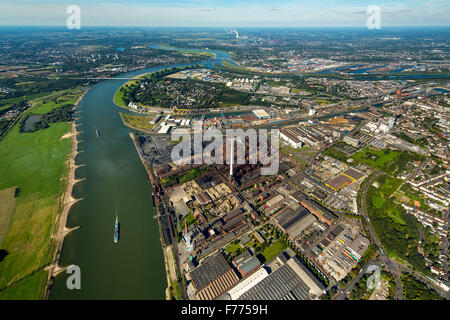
(60, 114)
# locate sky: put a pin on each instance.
(226, 13)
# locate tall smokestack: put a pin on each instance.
(232, 158)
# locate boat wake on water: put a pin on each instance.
(116, 230)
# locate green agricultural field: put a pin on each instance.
(6, 106)
(46, 104)
(27, 287)
(7, 205)
(28, 98)
(192, 52)
(36, 163)
(23, 83)
(187, 51)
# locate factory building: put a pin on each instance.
(261, 114)
(155, 120)
(213, 277)
(348, 176)
(291, 281)
(358, 247)
(291, 139)
(165, 128)
(185, 122)
(353, 174)
(203, 198)
(248, 283)
(272, 202)
(293, 222)
(307, 135)
(339, 182)
(233, 219)
(319, 211)
(316, 288)
(351, 141)
(246, 264)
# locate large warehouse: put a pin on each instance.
(213, 277)
(293, 222)
(247, 284)
(348, 176)
(319, 211)
(261, 114)
(290, 138)
(291, 281)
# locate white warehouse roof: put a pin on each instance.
(248, 283)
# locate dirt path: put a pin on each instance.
(170, 268)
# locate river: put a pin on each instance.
(115, 183)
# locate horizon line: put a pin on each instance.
(224, 26)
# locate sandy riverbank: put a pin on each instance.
(61, 230)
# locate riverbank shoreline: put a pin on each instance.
(126, 83)
(61, 230)
(55, 284)
(164, 248)
(133, 127)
